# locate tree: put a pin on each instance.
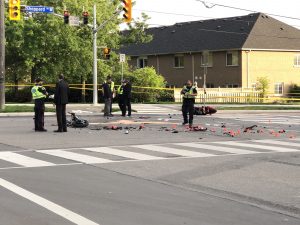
(43, 46)
(263, 84)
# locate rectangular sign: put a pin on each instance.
(39, 9)
(74, 21)
(122, 58)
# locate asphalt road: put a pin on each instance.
(152, 175)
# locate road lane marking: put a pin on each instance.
(275, 142)
(23, 160)
(174, 151)
(217, 148)
(51, 206)
(263, 147)
(126, 154)
(75, 156)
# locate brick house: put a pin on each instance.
(234, 51)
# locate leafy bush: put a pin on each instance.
(21, 95)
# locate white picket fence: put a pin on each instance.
(224, 95)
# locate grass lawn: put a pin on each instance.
(20, 108)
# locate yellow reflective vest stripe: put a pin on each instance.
(36, 94)
(190, 92)
(112, 86)
(120, 90)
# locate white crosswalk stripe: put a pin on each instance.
(23, 160)
(147, 152)
(152, 109)
(275, 142)
(216, 148)
(264, 147)
(266, 119)
(125, 154)
(75, 156)
(175, 151)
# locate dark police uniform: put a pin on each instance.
(188, 104)
(39, 95)
(127, 97)
(61, 100)
(121, 99)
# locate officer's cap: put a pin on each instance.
(38, 80)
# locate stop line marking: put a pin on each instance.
(51, 206)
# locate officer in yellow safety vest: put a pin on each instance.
(39, 95)
(189, 93)
(111, 85)
(121, 99)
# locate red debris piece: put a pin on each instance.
(198, 128)
(249, 128)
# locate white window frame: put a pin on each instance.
(210, 59)
(234, 54)
(277, 88)
(181, 63)
(297, 60)
(145, 61)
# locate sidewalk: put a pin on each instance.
(95, 110)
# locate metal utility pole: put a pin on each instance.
(95, 75)
(2, 55)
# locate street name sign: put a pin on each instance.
(39, 9)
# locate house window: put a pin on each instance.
(232, 86)
(207, 59)
(210, 85)
(142, 62)
(278, 89)
(179, 61)
(297, 61)
(232, 58)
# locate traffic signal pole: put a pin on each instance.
(2, 55)
(95, 74)
(95, 59)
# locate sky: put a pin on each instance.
(166, 12)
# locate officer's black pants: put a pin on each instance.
(39, 111)
(127, 103)
(188, 110)
(61, 117)
(122, 106)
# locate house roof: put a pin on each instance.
(253, 31)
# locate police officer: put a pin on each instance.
(121, 99)
(107, 95)
(189, 93)
(113, 93)
(39, 95)
(127, 97)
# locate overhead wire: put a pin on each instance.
(215, 4)
(205, 3)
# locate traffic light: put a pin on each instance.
(127, 10)
(14, 9)
(106, 52)
(85, 18)
(66, 16)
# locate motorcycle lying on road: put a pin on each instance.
(77, 122)
(204, 110)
